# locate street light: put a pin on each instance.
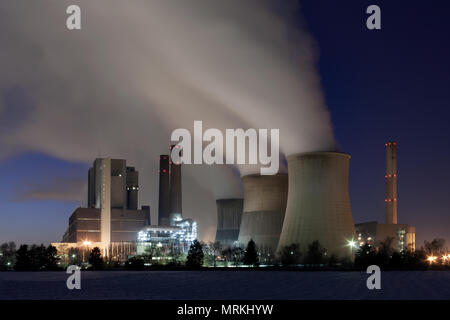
(351, 244)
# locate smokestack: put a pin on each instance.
(265, 199)
(318, 206)
(163, 205)
(391, 182)
(229, 215)
(175, 212)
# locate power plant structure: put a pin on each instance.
(264, 208)
(164, 190)
(175, 208)
(229, 215)
(391, 182)
(318, 204)
(173, 232)
(402, 236)
(111, 220)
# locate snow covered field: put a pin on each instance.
(225, 285)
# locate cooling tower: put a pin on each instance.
(175, 208)
(391, 182)
(229, 214)
(164, 203)
(318, 206)
(265, 199)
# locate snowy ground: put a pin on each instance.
(225, 285)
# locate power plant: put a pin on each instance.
(309, 203)
(175, 208)
(265, 199)
(112, 220)
(164, 190)
(318, 206)
(391, 182)
(229, 215)
(401, 236)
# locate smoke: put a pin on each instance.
(138, 69)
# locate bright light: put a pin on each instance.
(431, 259)
(87, 243)
(73, 256)
(351, 244)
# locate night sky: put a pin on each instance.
(389, 84)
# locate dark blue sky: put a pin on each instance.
(389, 84)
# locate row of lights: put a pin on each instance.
(390, 200)
(390, 175)
(432, 259)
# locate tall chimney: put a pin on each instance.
(164, 203)
(391, 182)
(175, 211)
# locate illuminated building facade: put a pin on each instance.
(180, 234)
(112, 215)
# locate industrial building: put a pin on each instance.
(403, 235)
(112, 216)
(172, 231)
(265, 199)
(179, 235)
(229, 215)
(318, 204)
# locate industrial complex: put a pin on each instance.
(309, 203)
(112, 220)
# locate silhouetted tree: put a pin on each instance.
(396, 261)
(385, 251)
(52, 259)
(290, 255)
(333, 260)
(23, 259)
(7, 255)
(95, 259)
(135, 263)
(237, 255)
(435, 247)
(365, 256)
(75, 256)
(251, 255)
(195, 255)
(315, 254)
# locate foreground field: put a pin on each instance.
(225, 285)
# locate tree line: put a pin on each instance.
(41, 258)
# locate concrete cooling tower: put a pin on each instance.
(318, 206)
(229, 214)
(265, 199)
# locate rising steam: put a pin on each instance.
(139, 69)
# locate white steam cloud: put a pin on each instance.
(138, 69)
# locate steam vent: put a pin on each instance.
(318, 206)
(265, 199)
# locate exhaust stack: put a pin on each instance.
(391, 182)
